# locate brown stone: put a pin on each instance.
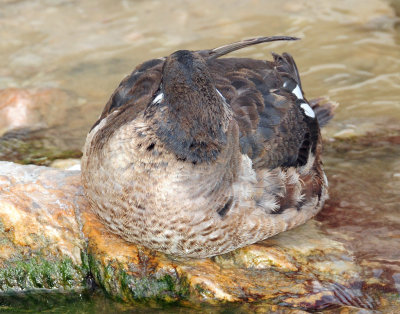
(48, 231)
(38, 125)
(41, 242)
(31, 108)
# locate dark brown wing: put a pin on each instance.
(136, 90)
(130, 98)
(274, 129)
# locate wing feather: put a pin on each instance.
(130, 98)
(274, 130)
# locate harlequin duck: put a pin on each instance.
(196, 155)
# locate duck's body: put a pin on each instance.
(196, 156)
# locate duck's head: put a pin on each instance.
(189, 115)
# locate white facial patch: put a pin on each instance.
(308, 110)
(158, 98)
(297, 92)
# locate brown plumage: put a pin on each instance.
(196, 156)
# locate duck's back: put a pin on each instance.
(277, 125)
(266, 98)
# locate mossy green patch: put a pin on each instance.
(125, 286)
(33, 151)
(164, 289)
(41, 273)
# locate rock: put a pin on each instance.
(345, 134)
(31, 108)
(41, 241)
(51, 239)
(40, 125)
(67, 164)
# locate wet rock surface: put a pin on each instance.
(38, 125)
(41, 242)
(51, 240)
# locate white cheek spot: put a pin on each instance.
(158, 98)
(297, 92)
(308, 110)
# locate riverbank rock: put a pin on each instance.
(67, 164)
(50, 239)
(33, 128)
(41, 241)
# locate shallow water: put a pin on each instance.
(350, 52)
(349, 49)
(364, 207)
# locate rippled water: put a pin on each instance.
(350, 51)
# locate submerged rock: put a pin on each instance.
(50, 239)
(33, 126)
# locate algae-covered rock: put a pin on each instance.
(50, 239)
(38, 125)
(41, 243)
(302, 268)
(27, 146)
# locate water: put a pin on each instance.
(349, 49)
(350, 52)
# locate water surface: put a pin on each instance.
(349, 49)
(349, 52)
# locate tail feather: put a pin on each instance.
(290, 61)
(289, 74)
(324, 109)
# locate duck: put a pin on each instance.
(195, 155)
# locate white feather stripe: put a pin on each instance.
(308, 110)
(158, 98)
(297, 92)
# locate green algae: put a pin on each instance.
(125, 286)
(41, 273)
(33, 149)
(166, 288)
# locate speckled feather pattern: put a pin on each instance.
(261, 175)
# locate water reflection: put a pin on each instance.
(364, 207)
